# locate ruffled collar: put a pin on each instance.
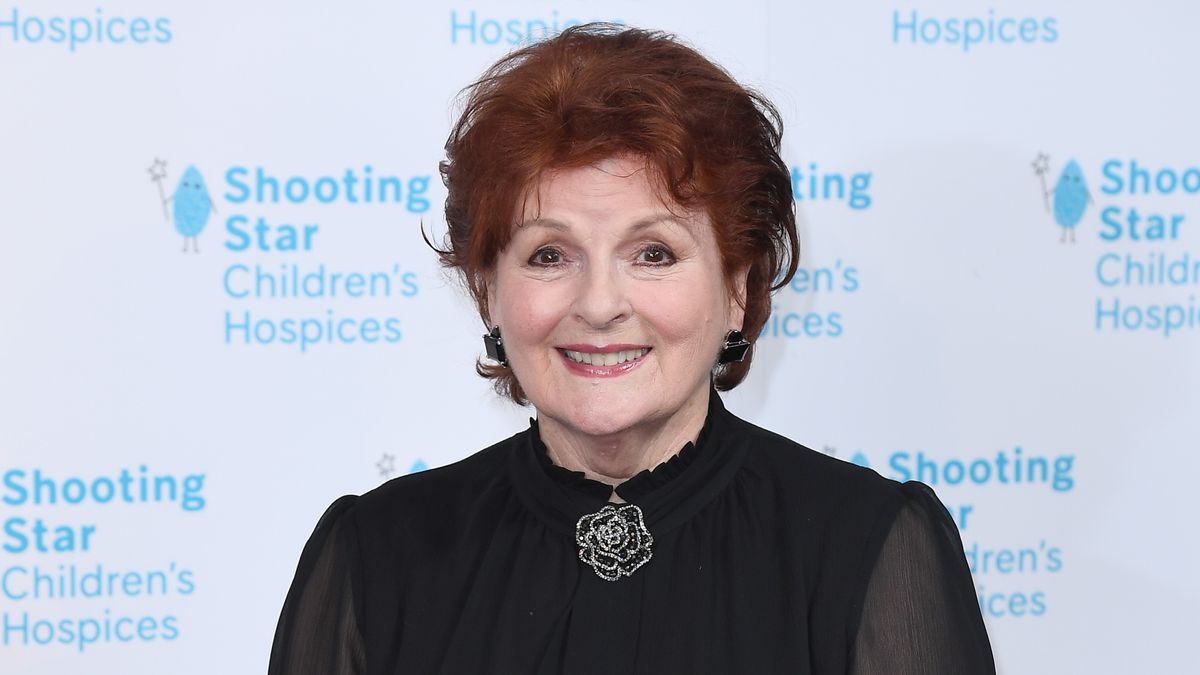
(668, 494)
(634, 487)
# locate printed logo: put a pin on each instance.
(189, 206)
(1070, 197)
(1012, 578)
(826, 291)
(278, 287)
(22, 28)
(1145, 277)
(972, 32)
(56, 551)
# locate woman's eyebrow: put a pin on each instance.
(669, 218)
(545, 222)
(638, 225)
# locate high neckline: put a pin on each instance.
(668, 493)
(632, 488)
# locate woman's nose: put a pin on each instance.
(602, 298)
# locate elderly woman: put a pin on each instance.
(618, 210)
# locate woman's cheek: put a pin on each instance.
(678, 312)
(537, 305)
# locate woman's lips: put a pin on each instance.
(606, 361)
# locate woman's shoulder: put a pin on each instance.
(845, 513)
(840, 503)
(818, 479)
(840, 482)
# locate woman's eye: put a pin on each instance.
(546, 256)
(656, 255)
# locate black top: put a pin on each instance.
(767, 557)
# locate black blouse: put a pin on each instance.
(767, 557)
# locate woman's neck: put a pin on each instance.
(614, 458)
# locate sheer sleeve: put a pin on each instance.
(318, 629)
(920, 614)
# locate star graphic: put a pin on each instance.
(158, 170)
(1041, 163)
(386, 465)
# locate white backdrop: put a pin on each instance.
(171, 428)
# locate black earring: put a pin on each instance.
(734, 349)
(495, 346)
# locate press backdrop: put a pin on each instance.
(218, 313)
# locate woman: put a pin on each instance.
(618, 210)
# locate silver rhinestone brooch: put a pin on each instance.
(614, 541)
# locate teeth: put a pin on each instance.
(609, 359)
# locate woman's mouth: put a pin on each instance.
(606, 358)
(608, 361)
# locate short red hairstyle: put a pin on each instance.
(598, 90)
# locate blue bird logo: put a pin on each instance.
(189, 207)
(1070, 197)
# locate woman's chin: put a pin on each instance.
(599, 416)
(608, 407)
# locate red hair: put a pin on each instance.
(599, 90)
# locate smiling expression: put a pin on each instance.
(613, 306)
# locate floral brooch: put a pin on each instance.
(614, 541)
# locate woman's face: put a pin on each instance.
(612, 310)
